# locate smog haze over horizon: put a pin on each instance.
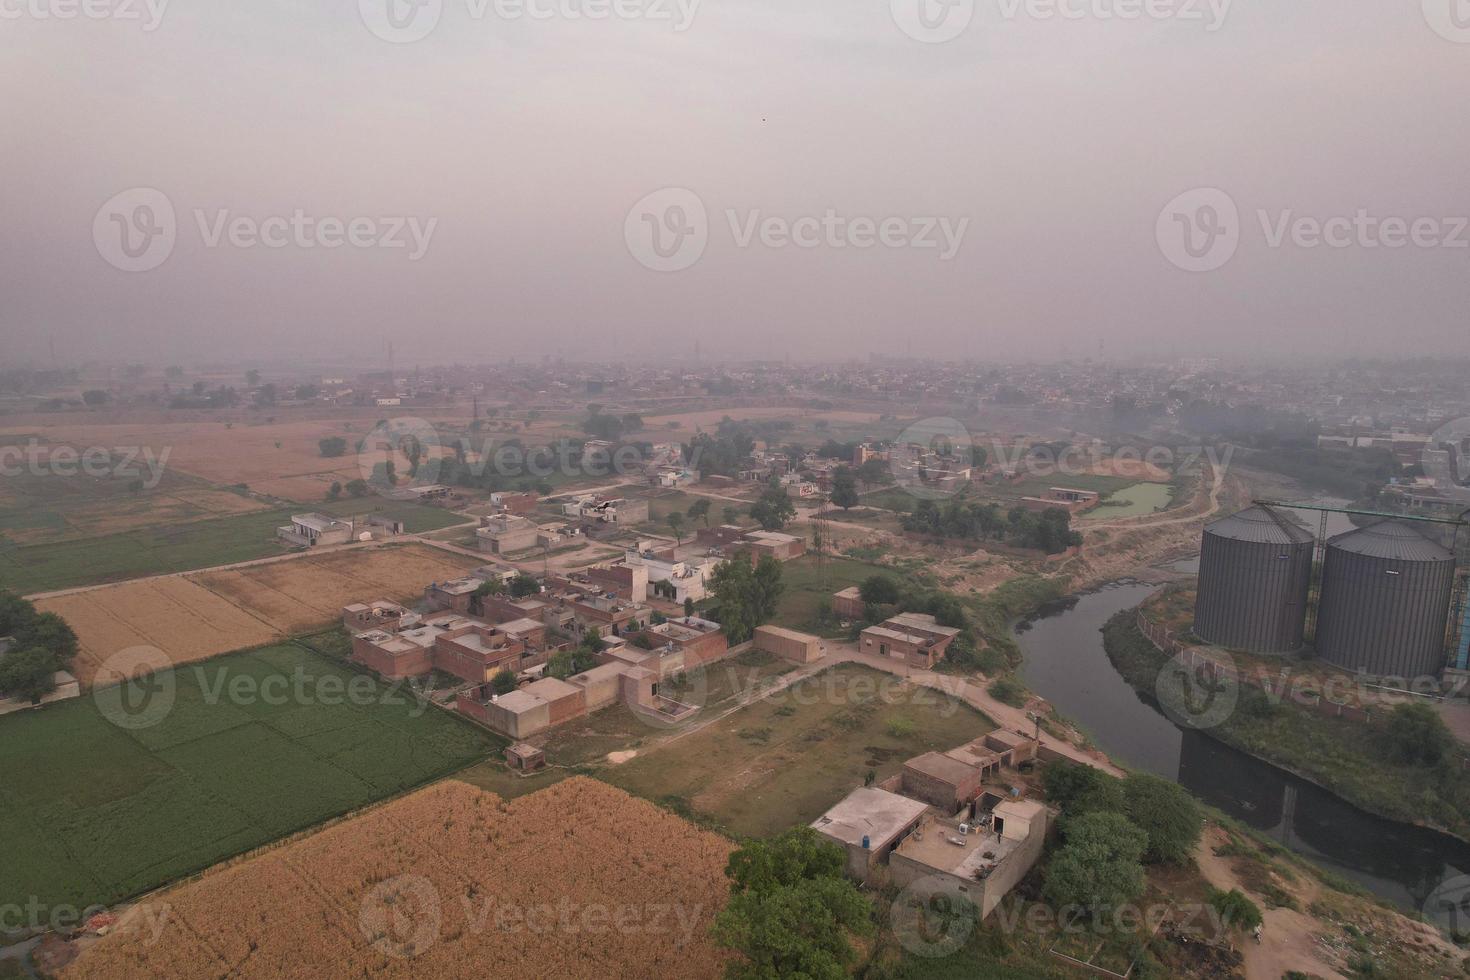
(994, 180)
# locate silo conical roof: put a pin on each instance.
(1261, 525)
(1393, 540)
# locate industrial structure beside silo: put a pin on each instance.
(1385, 601)
(1254, 575)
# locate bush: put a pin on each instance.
(332, 446)
(1007, 690)
(902, 727)
(1236, 911)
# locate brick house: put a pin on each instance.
(915, 638)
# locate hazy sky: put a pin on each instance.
(523, 144)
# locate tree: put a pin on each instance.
(791, 911)
(490, 586)
(773, 509)
(879, 589)
(873, 471)
(28, 674)
(844, 488)
(357, 488)
(252, 377)
(699, 510)
(332, 446)
(503, 682)
(266, 395)
(676, 523)
(1166, 812)
(1081, 789)
(523, 585)
(731, 515)
(1417, 735)
(688, 605)
(766, 590)
(1099, 867)
(95, 397)
(335, 490)
(731, 586)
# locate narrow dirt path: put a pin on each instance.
(1287, 937)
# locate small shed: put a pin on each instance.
(525, 757)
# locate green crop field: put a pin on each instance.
(91, 812)
(182, 547)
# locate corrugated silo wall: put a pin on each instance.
(1380, 623)
(1250, 596)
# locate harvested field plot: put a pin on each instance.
(784, 760)
(310, 592)
(196, 617)
(91, 812)
(451, 881)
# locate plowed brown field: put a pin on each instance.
(577, 880)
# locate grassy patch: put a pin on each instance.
(1349, 759)
(765, 768)
(807, 585)
(91, 812)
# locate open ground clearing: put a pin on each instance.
(786, 759)
(192, 618)
(809, 582)
(93, 812)
(442, 869)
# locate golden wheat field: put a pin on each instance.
(576, 880)
(195, 617)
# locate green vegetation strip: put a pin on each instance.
(93, 813)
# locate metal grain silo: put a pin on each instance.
(1385, 601)
(1255, 569)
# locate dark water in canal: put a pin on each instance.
(1066, 664)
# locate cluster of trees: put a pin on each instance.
(332, 446)
(200, 397)
(1250, 425)
(722, 454)
(610, 427)
(565, 663)
(699, 510)
(355, 488)
(1111, 828)
(792, 913)
(43, 645)
(1049, 531)
(746, 597)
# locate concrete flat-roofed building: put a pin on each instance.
(700, 641)
(868, 824)
(982, 859)
(915, 638)
(524, 712)
(942, 781)
(314, 530)
(380, 614)
(773, 544)
(799, 648)
(848, 603)
(505, 533)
